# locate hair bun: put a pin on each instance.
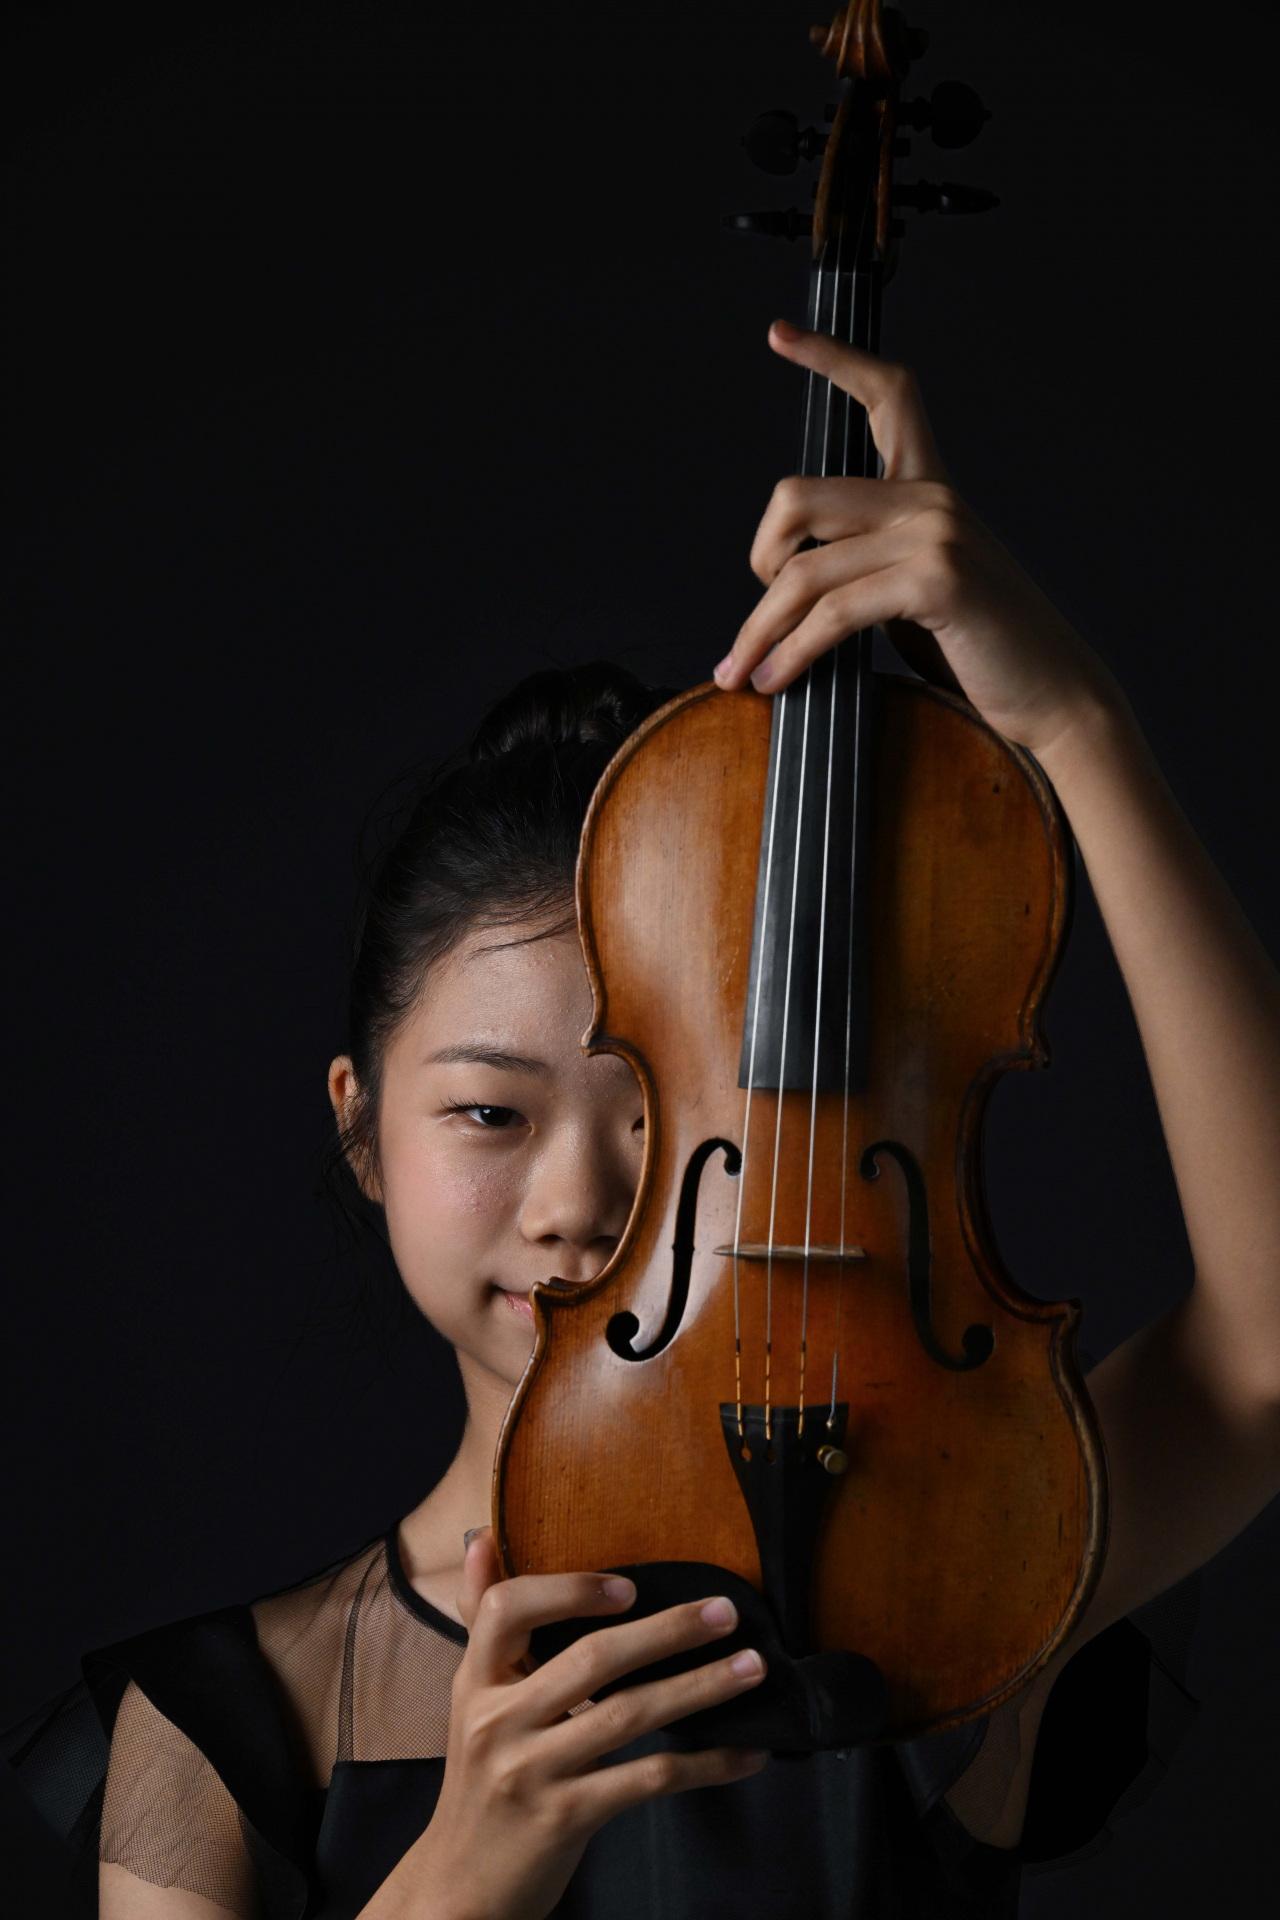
(560, 707)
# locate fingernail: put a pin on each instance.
(720, 1613)
(469, 1536)
(763, 677)
(616, 1587)
(718, 673)
(754, 1756)
(746, 1664)
(785, 331)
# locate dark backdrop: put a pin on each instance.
(367, 357)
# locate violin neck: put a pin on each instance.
(844, 301)
(806, 1024)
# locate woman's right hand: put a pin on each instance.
(524, 1784)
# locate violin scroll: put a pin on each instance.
(870, 42)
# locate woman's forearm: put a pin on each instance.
(1207, 1002)
(1190, 1407)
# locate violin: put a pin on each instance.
(819, 928)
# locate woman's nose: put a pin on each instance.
(577, 1202)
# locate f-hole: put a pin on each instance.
(624, 1327)
(977, 1341)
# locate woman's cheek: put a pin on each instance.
(444, 1220)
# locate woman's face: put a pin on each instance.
(506, 1155)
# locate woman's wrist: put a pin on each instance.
(412, 1890)
(1100, 737)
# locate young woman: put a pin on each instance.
(376, 1742)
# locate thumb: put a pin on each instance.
(480, 1571)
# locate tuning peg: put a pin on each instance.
(925, 197)
(953, 113)
(776, 143)
(775, 225)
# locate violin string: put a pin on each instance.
(806, 454)
(853, 309)
(858, 690)
(835, 309)
(835, 327)
(837, 279)
(816, 317)
(848, 1040)
(751, 1058)
(817, 1025)
(815, 321)
(782, 1068)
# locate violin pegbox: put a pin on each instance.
(856, 198)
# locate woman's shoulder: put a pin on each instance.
(305, 1634)
(198, 1692)
(302, 1627)
(362, 1663)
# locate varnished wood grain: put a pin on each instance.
(968, 1529)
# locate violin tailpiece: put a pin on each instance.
(786, 1462)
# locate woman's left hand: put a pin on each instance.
(906, 553)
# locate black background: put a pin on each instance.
(366, 357)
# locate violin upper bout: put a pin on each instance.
(689, 787)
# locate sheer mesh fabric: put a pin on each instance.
(166, 1816)
(363, 1667)
(363, 1670)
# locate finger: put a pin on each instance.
(899, 424)
(509, 1610)
(805, 580)
(598, 1659)
(480, 1571)
(635, 1711)
(613, 1789)
(804, 507)
(851, 609)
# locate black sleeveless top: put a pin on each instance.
(281, 1758)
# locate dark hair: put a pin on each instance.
(493, 841)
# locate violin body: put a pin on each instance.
(964, 1530)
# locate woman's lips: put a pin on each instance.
(519, 1303)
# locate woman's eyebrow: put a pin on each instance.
(471, 1053)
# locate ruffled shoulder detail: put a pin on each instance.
(204, 1685)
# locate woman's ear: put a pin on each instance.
(345, 1098)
